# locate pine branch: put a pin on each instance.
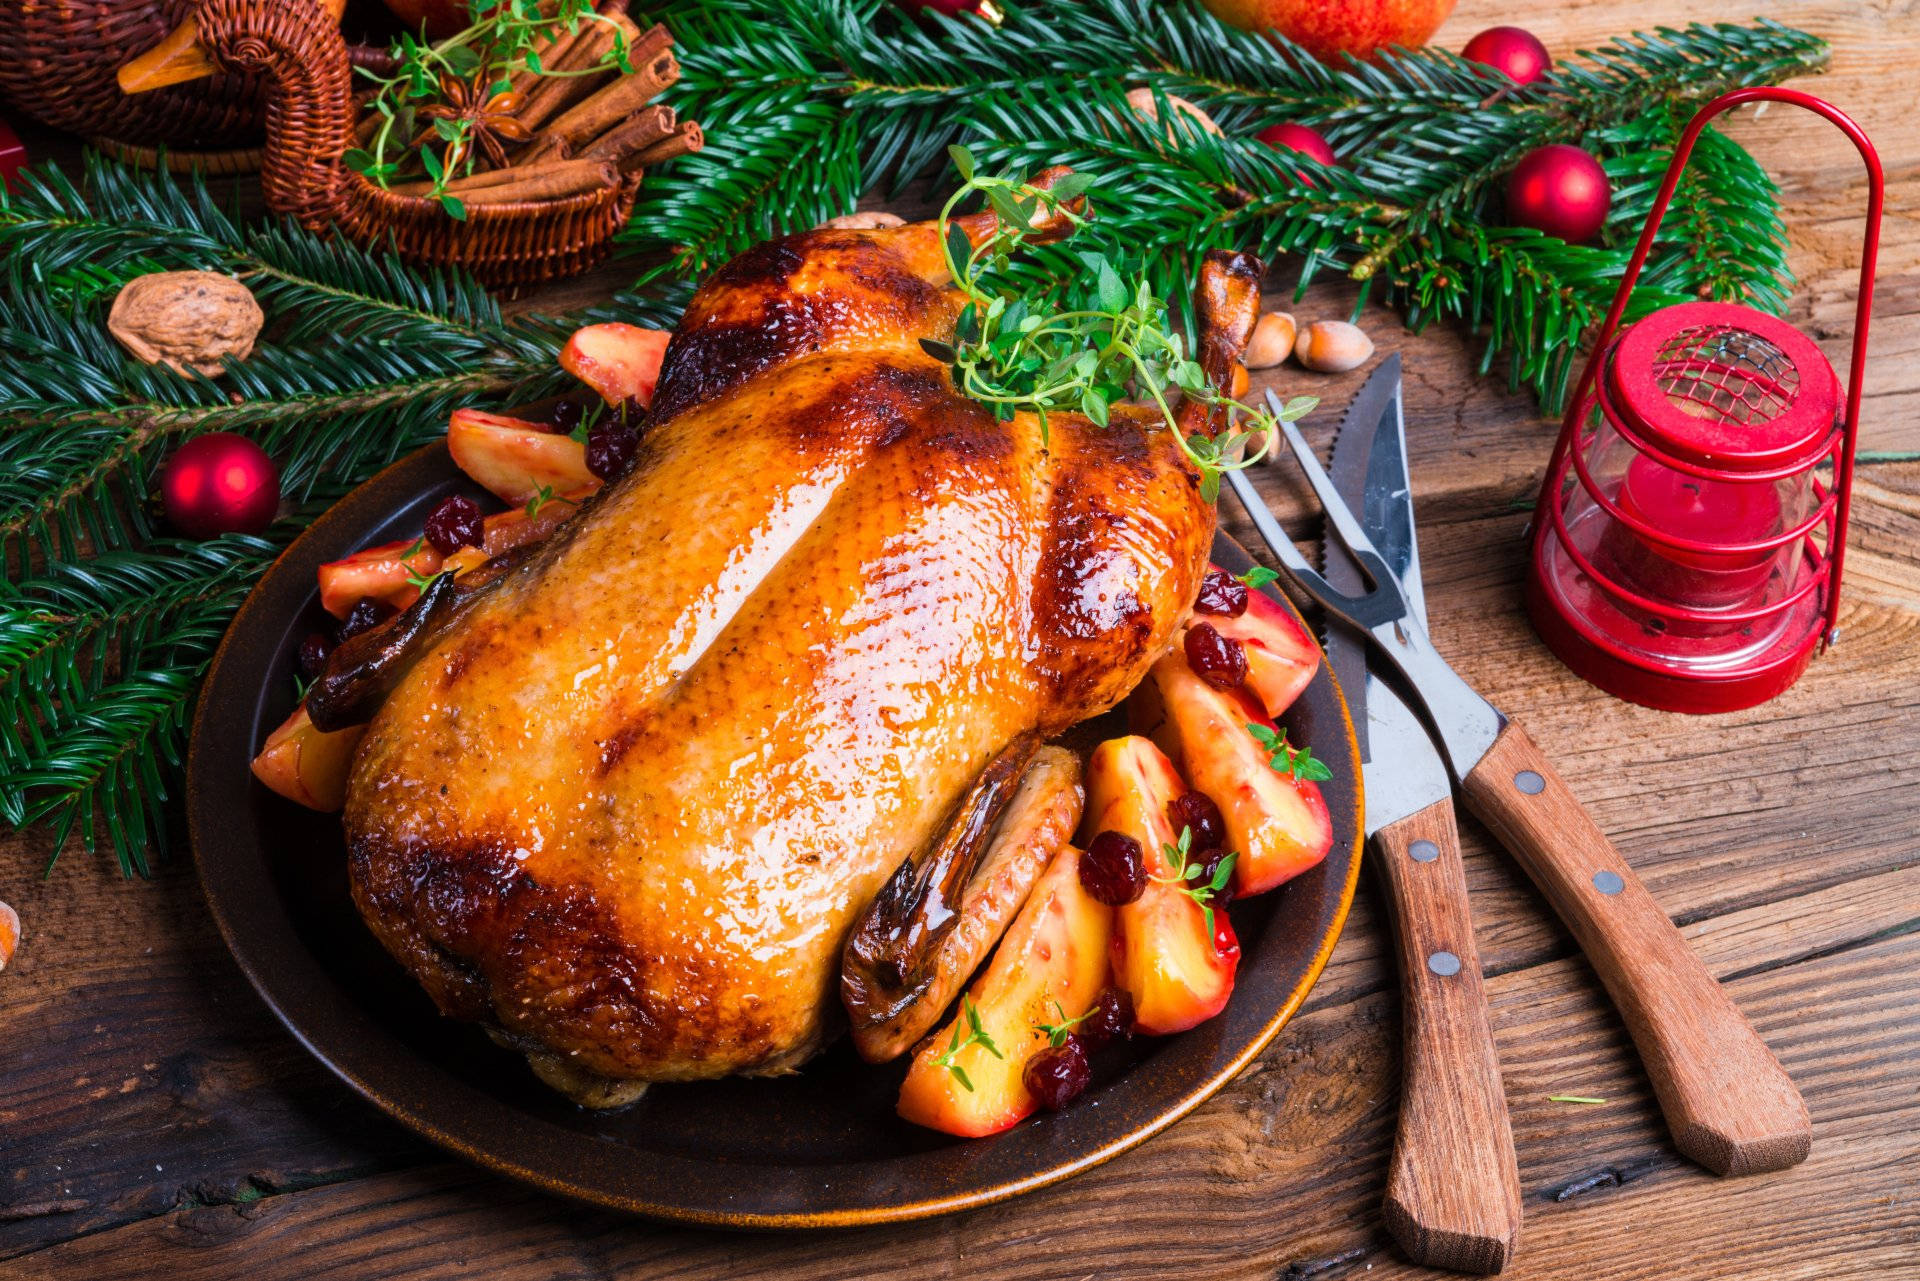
(105, 629)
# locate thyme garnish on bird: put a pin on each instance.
(1190, 877)
(1259, 576)
(1297, 763)
(463, 86)
(976, 1035)
(1013, 351)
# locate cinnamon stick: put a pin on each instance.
(524, 182)
(551, 52)
(607, 107)
(683, 140)
(638, 132)
(555, 94)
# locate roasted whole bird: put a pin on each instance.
(732, 761)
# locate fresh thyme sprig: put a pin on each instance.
(976, 1035)
(1015, 351)
(542, 495)
(1297, 763)
(1057, 1033)
(463, 84)
(1190, 877)
(1259, 576)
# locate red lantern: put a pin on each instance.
(1686, 550)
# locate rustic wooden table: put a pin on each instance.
(156, 1121)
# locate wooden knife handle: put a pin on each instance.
(1728, 1102)
(1453, 1190)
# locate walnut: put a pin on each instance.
(865, 220)
(186, 319)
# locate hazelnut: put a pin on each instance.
(865, 220)
(1333, 346)
(186, 320)
(1272, 341)
(1141, 100)
(9, 934)
(1242, 381)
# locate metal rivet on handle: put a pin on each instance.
(1423, 851)
(1445, 964)
(1608, 882)
(1529, 782)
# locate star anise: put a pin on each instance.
(489, 118)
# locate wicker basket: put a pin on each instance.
(295, 49)
(62, 74)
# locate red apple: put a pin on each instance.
(1278, 824)
(514, 459)
(1051, 965)
(377, 573)
(1327, 29)
(621, 362)
(1281, 656)
(1177, 972)
(307, 766)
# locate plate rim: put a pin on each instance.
(392, 486)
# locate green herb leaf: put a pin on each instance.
(1259, 576)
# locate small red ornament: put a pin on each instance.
(1291, 137)
(1510, 50)
(1559, 190)
(219, 483)
(13, 156)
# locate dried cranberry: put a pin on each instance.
(1114, 868)
(611, 447)
(1110, 1019)
(314, 652)
(454, 524)
(1221, 593)
(1056, 1076)
(565, 416)
(1196, 812)
(1220, 661)
(366, 613)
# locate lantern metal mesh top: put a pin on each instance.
(1726, 373)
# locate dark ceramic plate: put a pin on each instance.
(820, 1148)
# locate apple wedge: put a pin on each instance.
(1277, 824)
(1053, 958)
(382, 573)
(1281, 656)
(507, 530)
(1178, 973)
(307, 766)
(514, 460)
(621, 362)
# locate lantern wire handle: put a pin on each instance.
(1863, 310)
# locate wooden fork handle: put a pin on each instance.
(1453, 1190)
(1728, 1102)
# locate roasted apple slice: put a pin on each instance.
(510, 529)
(1178, 971)
(306, 765)
(385, 573)
(1276, 822)
(515, 460)
(1281, 656)
(621, 362)
(1051, 964)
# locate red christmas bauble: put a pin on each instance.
(1559, 190)
(219, 483)
(1291, 137)
(1511, 50)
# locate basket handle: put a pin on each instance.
(1863, 309)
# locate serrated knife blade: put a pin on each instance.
(1402, 770)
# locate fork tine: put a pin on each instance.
(1304, 575)
(1339, 515)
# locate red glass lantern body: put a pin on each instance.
(1689, 538)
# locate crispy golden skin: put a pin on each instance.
(627, 808)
